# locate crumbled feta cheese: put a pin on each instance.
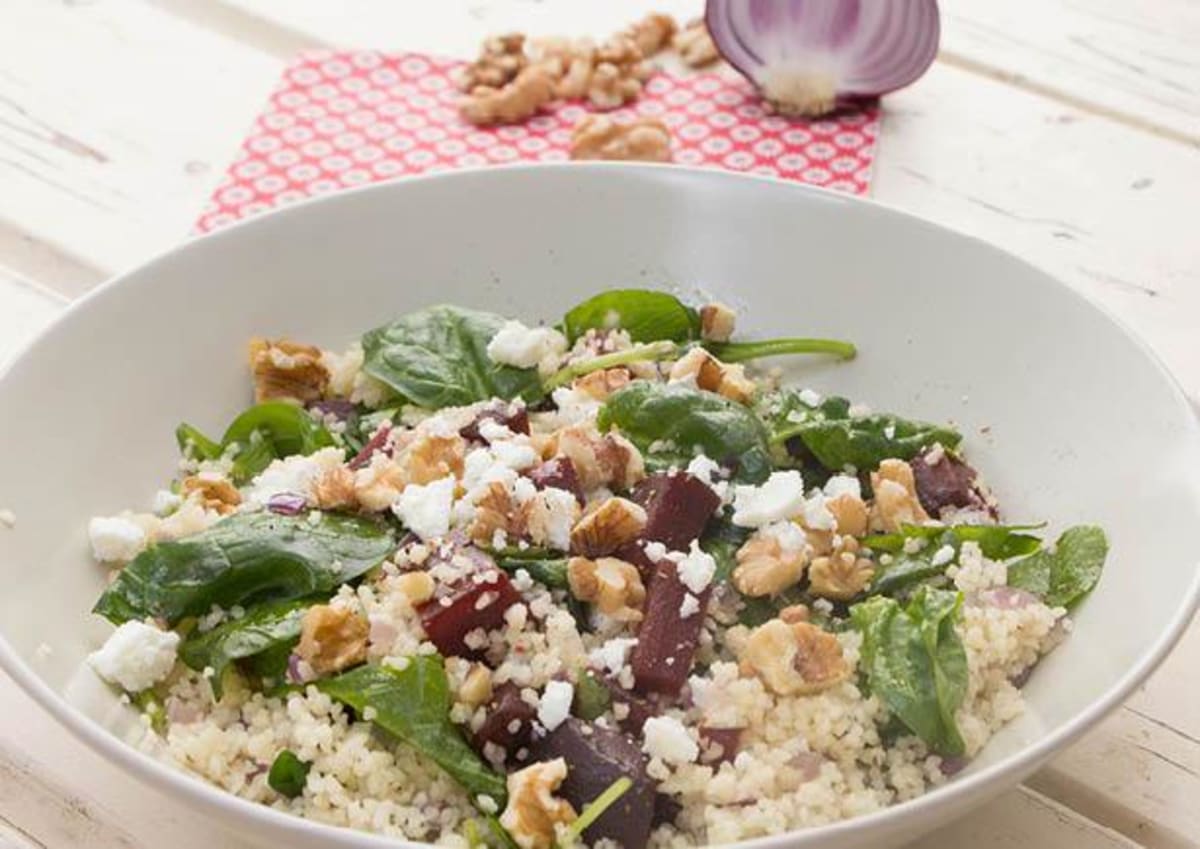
(561, 510)
(689, 606)
(135, 656)
(525, 347)
(480, 467)
(942, 556)
(709, 471)
(890, 431)
(115, 539)
(425, 510)
(817, 514)
(295, 474)
(809, 397)
(555, 704)
(789, 535)
(665, 738)
(165, 502)
(494, 431)
(696, 570)
(574, 405)
(655, 550)
(613, 654)
(842, 485)
(515, 453)
(780, 497)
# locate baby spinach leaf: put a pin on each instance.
(837, 439)
(671, 423)
(245, 558)
(997, 542)
(915, 662)
(740, 352)
(904, 573)
(261, 433)
(592, 698)
(194, 444)
(721, 540)
(1062, 577)
(647, 316)
(550, 572)
(269, 628)
(151, 706)
(288, 774)
(413, 704)
(437, 357)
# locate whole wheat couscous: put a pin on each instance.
(476, 583)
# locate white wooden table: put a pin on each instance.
(1067, 131)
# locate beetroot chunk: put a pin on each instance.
(510, 414)
(719, 745)
(508, 722)
(662, 659)
(678, 506)
(943, 480)
(478, 601)
(558, 473)
(596, 757)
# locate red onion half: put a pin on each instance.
(808, 57)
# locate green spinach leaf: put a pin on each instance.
(243, 559)
(670, 423)
(592, 698)
(194, 444)
(437, 357)
(1062, 577)
(721, 540)
(413, 704)
(258, 435)
(916, 664)
(740, 352)
(270, 628)
(288, 774)
(647, 316)
(905, 573)
(547, 570)
(997, 542)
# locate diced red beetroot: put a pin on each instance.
(718, 745)
(560, 473)
(377, 442)
(666, 809)
(512, 415)
(948, 482)
(662, 658)
(508, 722)
(635, 553)
(467, 605)
(638, 708)
(597, 757)
(678, 506)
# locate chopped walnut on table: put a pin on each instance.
(332, 638)
(709, 373)
(694, 45)
(613, 585)
(501, 58)
(618, 74)
(532, 89)
(652, 33)
(287, 370)
(642, 140)
(896, 502)
(602, 531)
(794, 658)
(213, 491)
(765, 568)
(570, 60)
(533, 810)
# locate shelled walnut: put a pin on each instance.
(529, 91)
(599, 137)
(501, 58)
(694, 45)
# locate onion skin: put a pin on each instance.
(812, 57)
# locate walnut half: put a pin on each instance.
(841, 574)
(332, 638)
(533, 810)
(613, 585)
(284, 369)
(794, 658)
(712, 375)
(600, 137)
(214, 492)
(896, 502)
(532, 89)
(765, 568)
(615, 522)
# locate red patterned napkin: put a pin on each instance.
(341, 119)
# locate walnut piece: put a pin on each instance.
(764, 567)
(618, 73)
(476, 688)
(548, 517)
(334, 489)
(794, 613)
(896, 502)
(841, 574)
(694, 45)
(600, 460)
(432, 457)
(652, 33)
(533, 810)
(417, 587)
(600, 137)
(213, 491)
(796, 658)
(332, 638)
(850, 513)
(613, 585)
(532, 89)
(284, 369)
(707, 372)
(615, 522)
(378, 484)
(495, 510)
(570, 60)
(600, 384)
(716, 322)
(501, 58)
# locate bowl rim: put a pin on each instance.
(957, 793)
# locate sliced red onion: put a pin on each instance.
(808, 764)
(377, 442)
(287, 504)
(339, 408)
(953, 765)
(1008, 598)
(808, 57)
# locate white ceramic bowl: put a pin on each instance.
(1085, 425)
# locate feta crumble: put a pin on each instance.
(689, 606)
(425, 509)
(525, 347)
(115, 539)
(843, 485)
(809, 397)
(665, 738)
(135, 656)
(555, 704)
(561, 510)
(781, 496)
(942, 556)
(709, 471)
(696, 570)
(295, 474)
(613, 654)
(165, 502)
